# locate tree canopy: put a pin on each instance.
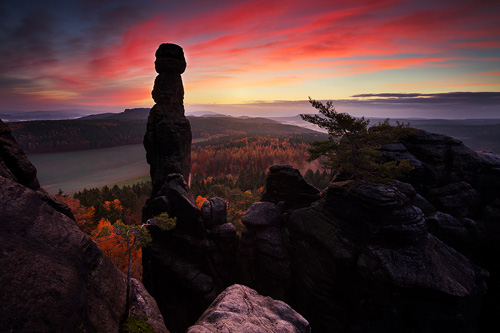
(352, 149)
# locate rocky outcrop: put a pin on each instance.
(187, 267)
(241, 309)
(385, 272)
(286, 187)
(263, 259)
(360, 259)
(458, 191)
(54, 277)
(445, 160)
(168, 133)
(14, 165)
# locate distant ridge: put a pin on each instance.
(136, 113)
(143, 113)
(11, 116)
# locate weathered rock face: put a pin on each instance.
(360, 259)
(241, 309)
(14, 165)
(386, 272)
(54, 277)
(458, 190)
(445, 160)
(263, 258)
(285, 186)
(168, 134)
(187, 267)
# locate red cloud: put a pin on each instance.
(271, 43)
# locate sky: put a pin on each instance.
(387, 58)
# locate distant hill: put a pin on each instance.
(11, 116)
(137, 113)
(47, 136)
(478, 134)
(143, 113)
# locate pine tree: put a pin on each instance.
(352, 149)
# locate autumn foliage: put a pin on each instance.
(115, 247)
(229, 167)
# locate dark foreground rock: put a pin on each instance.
(187, 267)
(360, 259)
(366, 250)
(458, 191)
(241, 309)
(54, 278)
(14, 165)
(168, 135)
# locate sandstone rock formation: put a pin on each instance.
(168, 134)
(460, 189)
(54, 278)
(241, 309)
(359, 259)
(187, 267)
(14, 165)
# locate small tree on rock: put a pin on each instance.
(352, 149)
(134, 237)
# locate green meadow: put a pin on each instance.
(76, 170)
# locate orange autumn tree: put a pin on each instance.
(115, 247)
(200, 201)
(83, 215)
(132, 237)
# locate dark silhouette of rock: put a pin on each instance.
(360, 259)
(368, 249)
(285, 184)
(446, 160)
(457, 197)
(168, 133)
(54, 277)
(241, 309)
(263, 259)
(14, 165)
(187, 267)
(170, 59)
(214, 212)
(457, 189)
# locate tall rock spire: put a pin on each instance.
(168, 134)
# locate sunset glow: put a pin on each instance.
(257, 56)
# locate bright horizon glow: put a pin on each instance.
(259, 57)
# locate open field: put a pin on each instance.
(73, 171)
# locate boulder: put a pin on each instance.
(241, 309)
(261, 214)
(214, 212)
(54, 277)
(458, 198)
(168, 89)
(170, 59)
(263, 257)
(446, 160)
(362, 260)
(285, 184)
(14, 165)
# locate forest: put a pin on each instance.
(49, 136)
(232, 167)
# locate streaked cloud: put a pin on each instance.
(101, 53)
